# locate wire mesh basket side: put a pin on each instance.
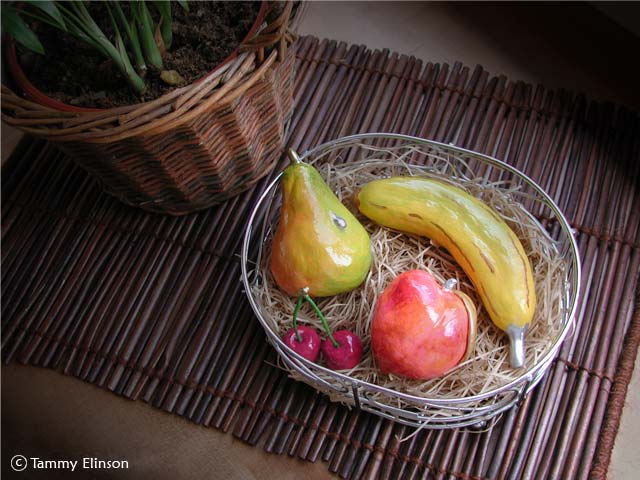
(387, 155)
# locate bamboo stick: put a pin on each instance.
(310, 82)
(337, 432)
(618, 308)
(459, 457)
(50, 351)
(82, 355)
(307, 422)
(374, 62)
(166, 347)
(434, 121)
(356, 71)
(207, 335)
(335, 455)
(436, 95)
(370, 447)
(260, 399)
(23, 187)
(119, 306)
(213, 358)
(605, 265)
(212, 410)
(228, 410)
(325, 91)
(27, 318)
(423, 93)
(482, 87)
(615, 405)
(301, 410)
(562, 380)
(26, 274)
(409, 100)
(90, 310)
(314, 441)
(624, 366)
(488, 106)
(399, 103)
(392, 452)
(129, 312)
(161, 346)
(451, 102)
(433, 453)
(385, 83)
(340, 89)
(376, 467)
(507, 437)
(447, 454)
(16, 245)
(467, 93)
(346, 466)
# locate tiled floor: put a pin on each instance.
(525, 42)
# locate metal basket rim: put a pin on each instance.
(526, 376)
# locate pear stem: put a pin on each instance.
(293, 156)
(324, 320)
(295, 317)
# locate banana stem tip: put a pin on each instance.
(516, 347)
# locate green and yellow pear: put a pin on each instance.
(319, 244)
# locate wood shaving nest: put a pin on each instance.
(394, 253)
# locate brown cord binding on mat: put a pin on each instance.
(574, 366)
(158, 374)
(611, 423)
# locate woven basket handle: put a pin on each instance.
(278, 18)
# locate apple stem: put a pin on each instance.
(295, 316)
(450, 284)
(324, 320)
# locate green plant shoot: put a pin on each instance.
(134, 38)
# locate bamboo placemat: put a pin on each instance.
(152, 308)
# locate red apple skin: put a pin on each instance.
(419, 330)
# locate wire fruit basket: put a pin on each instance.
(359, 158)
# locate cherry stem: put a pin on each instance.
(295, 316)
(324, 320)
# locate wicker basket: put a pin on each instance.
(402, 155)
(193, 147)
